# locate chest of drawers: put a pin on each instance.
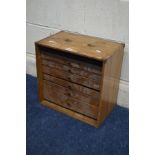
(78, 75)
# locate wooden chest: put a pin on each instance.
(79, 75)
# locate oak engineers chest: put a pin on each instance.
(79, 75)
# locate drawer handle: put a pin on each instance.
(69, 78)
(68, 104)
(68, 94)
(68, 63)
(69, 70)
(69, 87)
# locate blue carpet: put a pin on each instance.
(52, 133)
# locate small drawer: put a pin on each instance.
(71, 77)
(73, 70)
(75, 61)
(70, 99)
(72, 86)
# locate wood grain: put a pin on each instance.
(79, 75)
(72, 86)
(70, 113)
(69, 99)
(87, 46)
(75, 61)
(72, 70)
(94, 84)
(110, 84)
(39, 72)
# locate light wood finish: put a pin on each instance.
(70, 99)
(74, 61)
(79, 75)
(39, 72)
(72, 86)
(95, 84)
(71, 70)
(110, 84)
(69, 112)
(83, 45)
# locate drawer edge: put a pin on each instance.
(71, 113)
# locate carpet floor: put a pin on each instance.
(53, 133)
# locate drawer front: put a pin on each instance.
(72, 86)
(69, 99)
(71, 77)
(65, 59)
(72, 70)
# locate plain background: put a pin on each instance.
(13, 69)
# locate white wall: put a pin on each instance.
(103, 18)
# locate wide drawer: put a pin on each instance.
(72, 70)
(72, 86)
(72, 60)
(70, 99)
(71, 77)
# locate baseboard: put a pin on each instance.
(31, 64)
(123, 95)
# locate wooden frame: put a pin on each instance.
(111, 70)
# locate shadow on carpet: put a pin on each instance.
(53, 133)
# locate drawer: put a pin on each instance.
(71, 77)
(70, 99)
(72, 60)
(72, 70)
(72, 86)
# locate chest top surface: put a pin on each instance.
(91, 47)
